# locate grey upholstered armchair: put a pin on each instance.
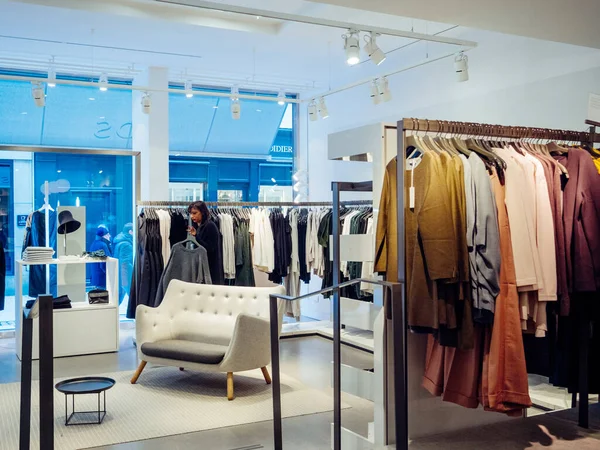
(208, 328)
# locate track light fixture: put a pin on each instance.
(373, 50)
(146, 103)
(352, 47)
(385, 94)
(312, 111)
(375, 93)
(51, 76)
(236, 108)
(300, 175)
(323, 112)
(281, 98)
(188, 88)
(461, 67)
(38, 94)
(103, 82)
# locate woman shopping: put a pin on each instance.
(208, 236)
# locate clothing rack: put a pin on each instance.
(178, 204)
(484, 130)
(496, 131)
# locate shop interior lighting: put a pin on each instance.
(38, 94)
(103, 82)
(373, 50)
(146, 103)
(352, 47)
(236, 108)
(312, 111)
(300, 175)
(188, 89)
(385, 95)
(51, 76)
(281, 97)
(375, 93)
(461, 67)
(323, 112)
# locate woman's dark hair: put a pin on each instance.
(200, 206)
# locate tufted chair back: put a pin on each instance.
(207, 313)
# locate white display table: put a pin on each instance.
(83, 329)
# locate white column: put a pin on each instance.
(151, 134)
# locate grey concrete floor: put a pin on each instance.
(307, 359)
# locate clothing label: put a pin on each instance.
(411, 197)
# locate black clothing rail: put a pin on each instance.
(178, 204)
(43, 310)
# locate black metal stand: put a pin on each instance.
(44, 312)
(101, 412)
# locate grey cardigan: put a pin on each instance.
(184, 264)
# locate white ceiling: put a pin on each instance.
(209, 46)
(118, 36)
(571, 22)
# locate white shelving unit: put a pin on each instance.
(83, 329)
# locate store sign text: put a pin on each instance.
(282, 149)
(104, 130)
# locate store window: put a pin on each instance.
(186, 192)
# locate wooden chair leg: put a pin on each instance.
(230, 386)
(266, 375)
(138, 372)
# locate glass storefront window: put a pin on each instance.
(230, 195)
(276, 194)
(186, 192)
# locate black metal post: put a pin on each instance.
(400, 315)
(26, 354)
(337, 331)
(46, 373)
(275, 373)
(584, 343)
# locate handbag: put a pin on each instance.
(97, 296)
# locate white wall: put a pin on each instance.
(513, 81)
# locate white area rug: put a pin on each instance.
(164, 402)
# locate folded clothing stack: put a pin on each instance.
(38, 254)
(62, 302)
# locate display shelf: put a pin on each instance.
(60, 262)
(84, 328)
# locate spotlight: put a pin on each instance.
(375, 93)
(103, 82)
(323, 108)
(299, 185)
(236, 109)
(281, 97)
(51, 76)
(352, 47)
(188, 89)
(312, 111)
(146, 103)
(299, 175)
(38, 94)
(384, 90)
(461, 67)
(373, 50)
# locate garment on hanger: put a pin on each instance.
(303, 230)
(185, 264)
(179, 225)
(226, 228)
(209, 237)
(164, 218)
(263, 248)
(282, 237)
(244, 275)
(292, 280)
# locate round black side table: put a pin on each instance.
(81, 386)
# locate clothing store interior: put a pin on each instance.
(299, 224)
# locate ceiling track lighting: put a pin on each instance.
(375, 53)
(461, 67)
(281, 98)
(323, 112)
(103, 82)
(375, 93)
(188, 88)
(38, 94)
(384, 90)
(236, 108)
(312, 111)
(352, 47)
(146, 103)
(51, 76)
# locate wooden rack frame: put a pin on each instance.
(497, 131)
